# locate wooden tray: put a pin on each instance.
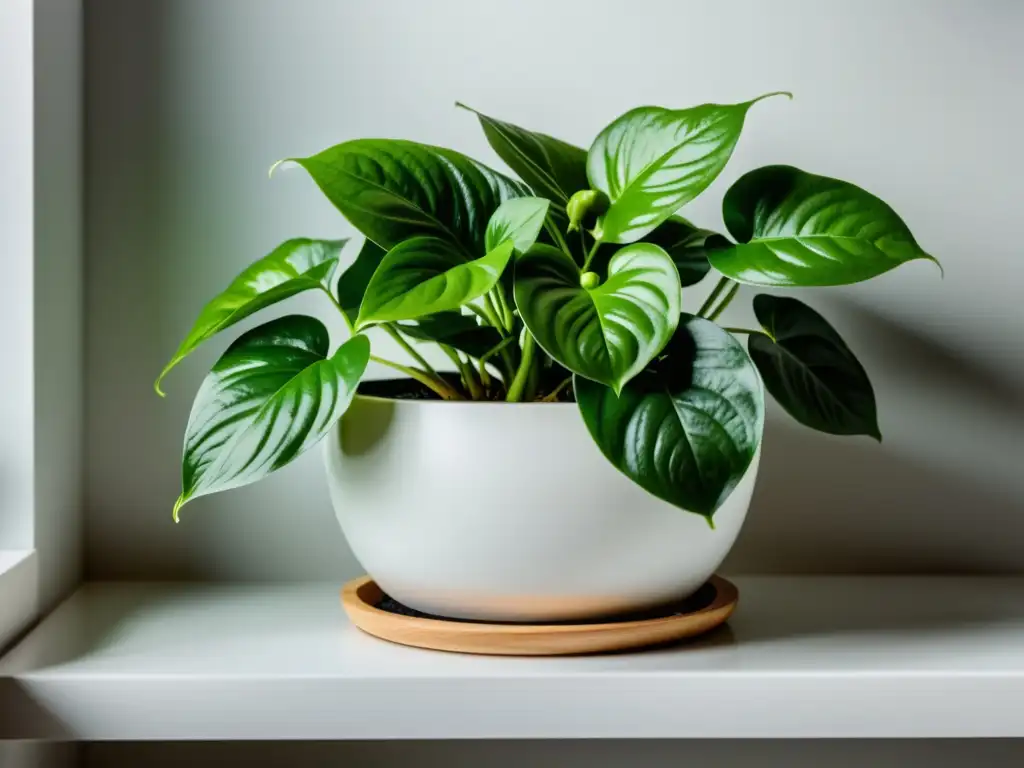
(361, 598)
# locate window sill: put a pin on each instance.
(19, 591)
(803, 657)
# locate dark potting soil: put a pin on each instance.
(702, 598)
(410, 389)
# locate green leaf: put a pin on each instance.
(518, 220)
(353, 281)
(293, 267)
(686, 430)
(607, 333)
(688, 247)
(272, 395)
(393, 190)
(426, 275)
(552, 168)
(798, 229)
(461, 332)
(651, 161)
(809, 369)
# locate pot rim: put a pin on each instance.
(452, 403)
(448, 403)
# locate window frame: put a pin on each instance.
(41, 211)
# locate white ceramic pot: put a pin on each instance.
(510, 512)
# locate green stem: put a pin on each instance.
(748, 331)
(481, 313)
(517, 388)
(341, 311)
(553, 394)
(532, 381)
(485, 377)
(504, 309)
(466, 371)
(730, 329)
(552, 229)
(724, 302)
(590, 256)
(499, 347)
(721, 285)
(439, 387)
(493, 315)
(420, 360)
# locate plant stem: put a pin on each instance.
(724, 302)
(503, 306)
(518, 386)
(552, 229)
(499, 347)
(341, 311)
(553, 394)
(590, 256)
(438, 386)
(479, 312)
(493, 315)
(391, 331)
(730, 329)
(485, 377)
(749, 332)
(466, 371)
(721, 285)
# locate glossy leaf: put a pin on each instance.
(651, 161)
(552, 168)
(272, 395)
(426, 275)
(293, 267)
(688, 246)
(798, 229)
(518, 220)
(393, 190)
(686, 430)
(607, 333)
(462, 332)
(353, 281)
(810, 371)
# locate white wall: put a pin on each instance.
(190, 101)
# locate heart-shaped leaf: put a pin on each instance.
(293, 267)
(272, 395)
(687, 430)
(651, 161)
(461, 332)
(518, 220)
(688, 247)
(353, 281)
(609, 332)
(810, 371)
(552, 168)
(798, 229)
(426, 275)
(393, 190)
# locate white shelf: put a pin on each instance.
(804, 657)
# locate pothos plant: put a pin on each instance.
(567, 283)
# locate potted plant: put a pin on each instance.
(594, 447)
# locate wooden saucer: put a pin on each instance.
(362, 599)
